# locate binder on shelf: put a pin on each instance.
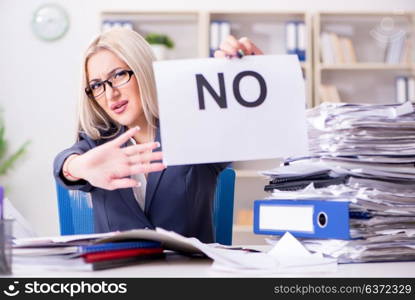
(401, 83)
(295, 39)
(349, 53)
(301, 40)
(326, 49)
(214, 37)
(110, 24)
(395, 50)
(337, 50)
(290, 37)
(405, 89)
(302, 218)
(410, 89)
(224, 30)
(219, 30)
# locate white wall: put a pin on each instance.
(39, 83)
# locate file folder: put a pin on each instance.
(320, 219)
(86, 249)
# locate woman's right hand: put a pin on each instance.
(108, 166)
(230, 47)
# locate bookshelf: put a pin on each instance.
(372, 35)
(247, 173)
(366, 66)
(265, 28)
(176, 25)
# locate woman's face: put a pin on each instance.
(122, 104)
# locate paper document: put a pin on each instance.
(221, 110)
(288, 255)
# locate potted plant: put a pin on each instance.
(8, 161)
(160, 43)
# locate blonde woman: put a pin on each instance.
(117, 156)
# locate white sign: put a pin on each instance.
(219, 110)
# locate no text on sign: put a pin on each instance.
(216, 110)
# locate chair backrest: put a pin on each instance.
(223, 207)
(76, 213)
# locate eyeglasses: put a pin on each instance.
(118, 79)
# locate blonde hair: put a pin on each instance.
(133, 49)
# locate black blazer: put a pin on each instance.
(179, 198)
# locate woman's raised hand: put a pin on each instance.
(108, 166)
(231, 47)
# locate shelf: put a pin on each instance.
(248, 174)
(366, 66)
(367, 13)
(366, 34)
(304, 65)
(243, 228)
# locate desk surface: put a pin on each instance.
(182, 266)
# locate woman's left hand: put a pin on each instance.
(231, 47)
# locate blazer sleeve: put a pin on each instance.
(80, 147)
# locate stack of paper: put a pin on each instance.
(97, 251)
(373, 147)
(288, 255)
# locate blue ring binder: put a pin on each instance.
(336, 218)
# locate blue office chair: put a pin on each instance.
(76, 213)
(223, 207)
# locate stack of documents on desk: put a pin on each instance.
(97, 251)
(86, 252)
(375, 232)
(287, 256)
(371, 149)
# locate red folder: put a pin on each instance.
(117, 254)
